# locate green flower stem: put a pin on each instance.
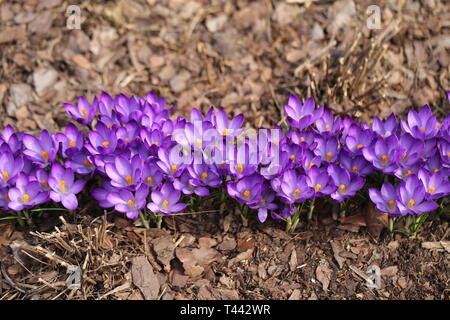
(311, 209)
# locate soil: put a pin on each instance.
(244, 56)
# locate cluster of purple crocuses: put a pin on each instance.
(147, 161)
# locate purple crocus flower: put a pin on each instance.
(444, 149)
(320, 181)
(403, 173)
(243, 160)
(126, 202)
(71, 141)
(184, 184)
(26, 194)
(386, 200)
(197, 135)
(64, 187)
(327, 148)
(80, 163)
(172, 162)
(101, 194)
(300, 115)
(102, 141)
(384, 154)
(411, 197)
(10, 167)
(4, 198)
(310, 160)
(357, 139)
(386, 128)
(303, 138)
(264, 204)
(421, 125)
(411, 150)
(165, 201)
(226, 127)
(295, 187)
(204, 175)
(347, 184)
(327, 124)
(247, 190)
(436, 184)
(434, 164)
(151, 174)
(357, 164)
(125, 172)
(129, 134)
(40, 151)
(41, 176)
(83, 112)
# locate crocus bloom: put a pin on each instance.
(421, 125)
(102, 141)
(436, 184)
(172, 162)
(384, 154)
(40, 151)
(357, 164)
(327, 148)
(386, 200)
(71, 141)
(386, 128)
(444, 149)
(264, 204)
(320, 181)
(412, 197)
(295, 187)
(243, 160)
(41, 176)
(151, 174)
(125, 173)
(204, 175)
(184, 184)
(357, 139)
(347, 184)
(165, 201)
(64, 187)
(26, 194)
(300, 115)
(247, 190)
(128, 134)
(411, 150)
(226, 127)
(126, 202)
(101, 194)
(80, 163)
(197, 135)
(327, 124)
(434, 164)
(83, 112)
(4, 198)
(310, 160)
(10, 167)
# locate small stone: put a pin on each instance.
(22, 113)
(43, 79)
(20, 94)
(178, 82)
(217, 23)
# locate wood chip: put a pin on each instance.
(144, 278)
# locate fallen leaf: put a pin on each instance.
(144, 278)
(293, 261)
(195, 260)
(337, 248)
(389, 271)
(295, 295)
(164, 249)
(375, 220)
(323, 274)
(6, 232)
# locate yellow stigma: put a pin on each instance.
(354, 168)
(62, 183)
(301, 117)
(7, 197)
(411, 203)
(384, 158)
(382, 135)
(317, 187)
(436, 170)
(240, 168)
(127, 139)
(223, 166)
(302, 139)
(296, 193)
(329, 156)
(105, 144)
(431, 190)
(88, 163)
(312, 164)
(408, 173)
(156, 143)
(149, 180)
(45, 155)
(438, 126)
(391, 204)
(165, 203)
(109, 125)
(72, 143)
(199, 143)
(342, 187)
(84, 113)
(130, 203)
(44, 183)
(359, 146)
(174, 169)
(129, 180)
(263, 202)
(327, 127)
(5, 176)
(276, 140)
(26, 198)
(204, 176)
(292, 157)
(247, 194)
(403, 157)
(422, 129)
(224, 132)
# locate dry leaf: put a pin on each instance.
(323, 274)
(144, 278)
